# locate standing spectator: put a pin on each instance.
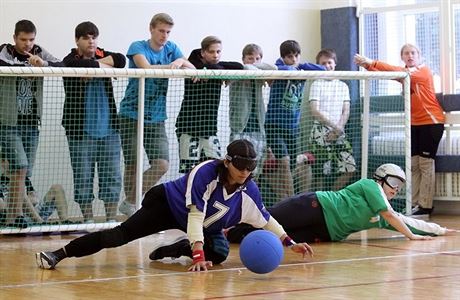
(247, 107)
(21, 102)
(283, 116)
(91, 124)
(156, 53)
(330, 108)
(196, 125)
(427, 123)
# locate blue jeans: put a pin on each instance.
(85, 152)
(19, 146)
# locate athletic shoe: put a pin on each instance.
(173, 249)
(127, 208)
(68, 222)
(46, 260)
(2, 218)
(418, 210)
(20, 222)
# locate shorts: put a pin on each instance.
(156, 143)
(283, 142)
(19, 146)
(193, 150)
(425, 139)
(330, 157)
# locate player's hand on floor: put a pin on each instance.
(200, 266)
(421, 237)
(303, 248)
(451, 231)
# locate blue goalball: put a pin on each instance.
(261, 251)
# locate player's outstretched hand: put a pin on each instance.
(452, 231)
(200, 266)
(421, 237)
(303, 248)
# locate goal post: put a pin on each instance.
(377, 131)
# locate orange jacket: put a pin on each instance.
(425, 108)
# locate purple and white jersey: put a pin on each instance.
(201, 187)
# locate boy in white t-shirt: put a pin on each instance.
(330, 108)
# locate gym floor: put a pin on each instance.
(377, 264)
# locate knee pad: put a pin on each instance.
(216, 248)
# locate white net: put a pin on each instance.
(83, 172)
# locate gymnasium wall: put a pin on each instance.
(237, 23)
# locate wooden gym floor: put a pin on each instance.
(384, 265)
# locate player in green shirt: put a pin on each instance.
(332, 216)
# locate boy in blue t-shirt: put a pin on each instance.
(156, 53)
(283, 116)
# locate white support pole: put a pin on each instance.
(407, 148)
(365, 137)
(447, 55)
(140, 142)
(365, 130)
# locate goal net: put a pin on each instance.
(69, 160)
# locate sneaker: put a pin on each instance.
(418, 210)
(67, 222)
(20, 222)
(127, 208)
(421, 213)
(46, 260)
(174, 249)
(2, 218)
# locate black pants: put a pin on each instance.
(154, 216)
(301, 217)
(425, 139)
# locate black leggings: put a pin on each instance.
(301, 217)
(154, 216)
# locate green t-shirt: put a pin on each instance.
(354, 208)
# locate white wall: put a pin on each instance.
(237, 23)
(120, 22)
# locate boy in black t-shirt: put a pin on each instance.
(196, 125)
(20, 110)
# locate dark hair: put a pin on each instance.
(328, 53)
(240, 147)
(289, 47)
(86, 28)
(25, 26)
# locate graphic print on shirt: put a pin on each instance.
(293, 94)
(219, 214)
(25, 96)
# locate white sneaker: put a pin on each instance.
(127, 208)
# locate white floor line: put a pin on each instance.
(222, 270)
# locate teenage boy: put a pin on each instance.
(91, 124)
(156, 53)
(21, 103)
